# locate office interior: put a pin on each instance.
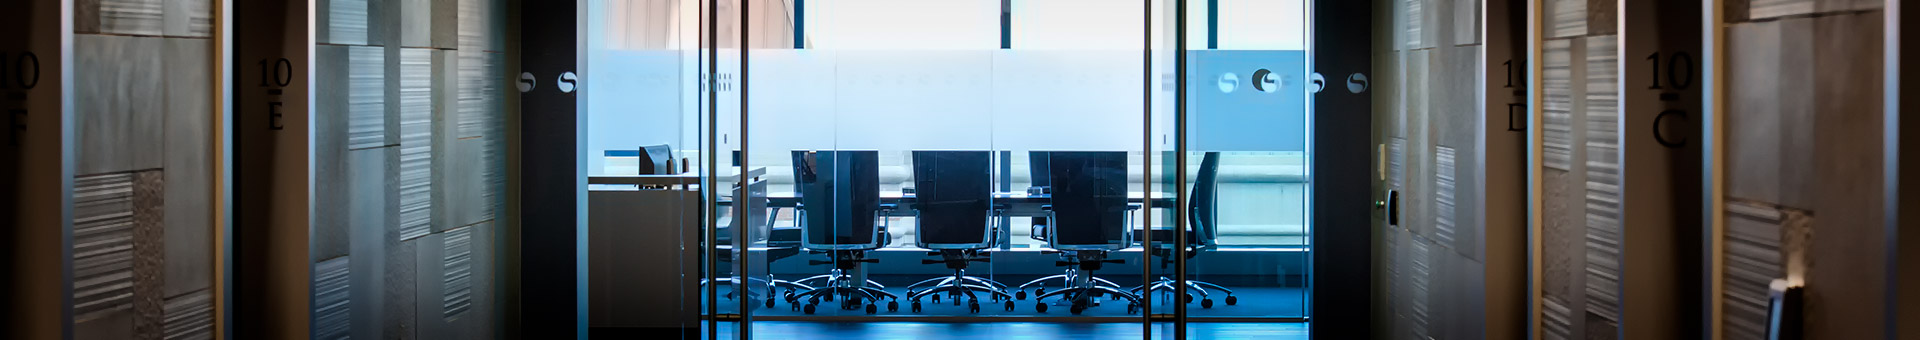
(1018, 169)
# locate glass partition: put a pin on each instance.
(965, 160)
(1245, 167)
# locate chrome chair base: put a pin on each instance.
(1079, 290)
(1194, 288)
(840, 285)
(956, 285)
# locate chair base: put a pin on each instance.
(956, 285)
(839, 285)
(1195, 288)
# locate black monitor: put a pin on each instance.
(656, 160)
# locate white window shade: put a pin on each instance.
(903, 24)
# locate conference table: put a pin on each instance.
(1011, 203)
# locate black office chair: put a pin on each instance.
(1203, 214)
(839, 207)
(1088, 219)
(780, 242)
(954, 210)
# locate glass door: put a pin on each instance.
(1232, 252)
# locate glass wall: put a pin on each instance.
(962, 160)
(1245, 164)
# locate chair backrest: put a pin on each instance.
(656, 160)
(750, 210)
(1037, 169)
(1203, 209)
(840, 196)
(1089, 200)
(953, 193)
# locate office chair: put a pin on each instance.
(781, 242)
(1088, 220)
(1203, 214)
(954, 206)
(839, 207)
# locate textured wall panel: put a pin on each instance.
(117, 103)
(1847, 261)
(346, 22)
(189, 166)
(1419, 283)
(1753, 260)
(1414, 32)
(416, 142)
(148, 252)
(1567, 18)
(189, 316)
(401, 302)
(127, 17)
(1466, 23)
(188, 18)
(102, 245)
(332, 296)
(1443, 194)
(458, 264)
(1603, 215)
(1557, 112)
(366, 98)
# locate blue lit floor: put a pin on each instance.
(785, 330)
(1253, 302)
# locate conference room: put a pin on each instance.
(954, 161)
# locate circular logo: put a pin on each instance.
(526, 82)
(1319, 82)
(1266, 81)
(1357, 83)
(1228, 82)
(567, 80)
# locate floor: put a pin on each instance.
(1253, 302)
(800, 330)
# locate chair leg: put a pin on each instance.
(936, 281)
(1042, 280)
(1214, 286)
(985, 282)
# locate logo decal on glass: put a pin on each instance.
(1229, 82)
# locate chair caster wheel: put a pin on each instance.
(1076, 310)
(1206, 303)
(814, 299)
(1040, 307)
(1039, 291)
(1133, 308)
(916, 306)
(973, 308)
(893, 306)
(1021, 295)
(811, 307)
(1009, 305)
(1189, 299)
(936, 298)
(829, 297)
(1232, 300)
(769, 302)
(872, 309)
(789, 296)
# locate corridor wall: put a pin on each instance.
(1800, 185)
(409, 168)
(1450, 236)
